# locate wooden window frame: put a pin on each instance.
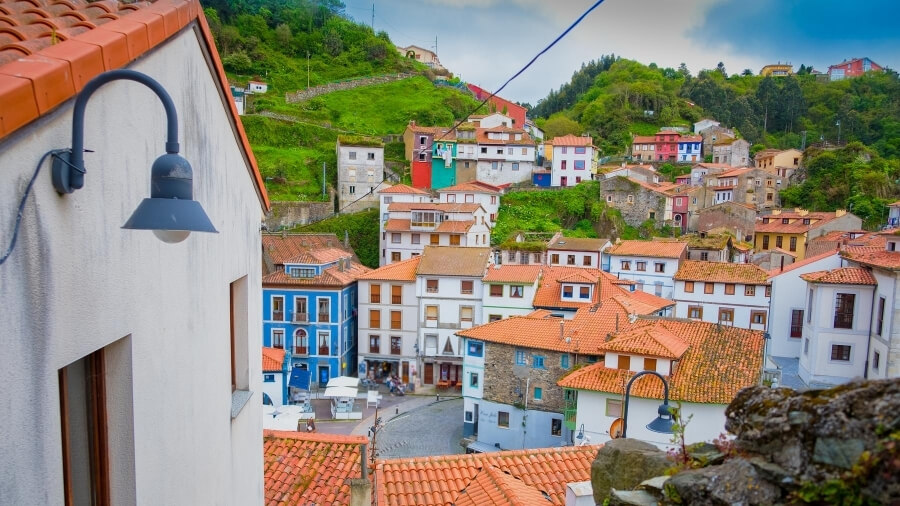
(374, 293)
(688, 287)
(709, 288)
(729, 288)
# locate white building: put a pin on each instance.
(713, 363)
(273, 376)
(398, 193)
(257, 87)
(576, 251)
(573, 160)
(388, 322)
(131, 366)
(412, 226)
(721, 292)
(450, 291)
(509, 290)
(787, 309)
(492, 120)
(360, 174)
(837, 326)
(650, 264)
(703, 124)
(504, 155)
(476, 192)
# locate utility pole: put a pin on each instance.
(839, 131)
(803, 141)
(323, 180)
(373, 17)
(307, 70)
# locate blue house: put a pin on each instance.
(310, 303)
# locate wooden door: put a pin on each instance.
(428, 378)
(405, 373)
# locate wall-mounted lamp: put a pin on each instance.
(580, 434)
(171, 211)
(663, 422)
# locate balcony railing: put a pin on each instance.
(301, 350)
(278, 316)
(323, 317)
(301, 317)
(324, 350)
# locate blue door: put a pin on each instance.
(323, 376)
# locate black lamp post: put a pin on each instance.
(170, 212)
(663, 422)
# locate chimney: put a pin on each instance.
(579, 493)
(360, 492)
(346, 240)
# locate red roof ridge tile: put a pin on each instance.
(317, 436)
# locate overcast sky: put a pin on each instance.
(487, 41)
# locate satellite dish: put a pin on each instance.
(615, 430)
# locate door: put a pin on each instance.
(323, 376)
(476, 419)
(405, 374)
(564, 181)
(428, 378)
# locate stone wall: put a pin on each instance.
(502, 378)
(637, 209)
(738, 219)
(835, 446)
(315, 91)
(289, 214)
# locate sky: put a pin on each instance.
(485, 42)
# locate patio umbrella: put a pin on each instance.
(340, 392)
(343, 381)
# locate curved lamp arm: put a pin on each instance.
(628, 393)
(68, 165)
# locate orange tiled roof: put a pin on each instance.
(795, 224)
(272, 359)
(512, 274)
(577, 244)
(873, 256)
(719, 361)
(691, 138)
(319, 256)
(455, 227)
(721, 272)
(404, 270)
(454, 261)
(641, 302)
(438, 481)
(447, 207)
(332, 277)
(658, 249)
(842, 276)
(651, 341)
(481, 136)
(49, 49)
(800, 263)
(644, 139)
(498, 488)
(282, 248)
(549, 292)
(402, 188)
(472, 186)
(397, 225)
(577, 277)
(310, 468)
(734, 172)
(573, 140)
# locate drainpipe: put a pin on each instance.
(869, 341)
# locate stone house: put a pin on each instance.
(708, 247)
(713, 134)
(734, 152)
(737, 219)
(638, 201)
(360, 173)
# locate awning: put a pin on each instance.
(299, 378)
(480, 447)
(343, 381)
(340, 392)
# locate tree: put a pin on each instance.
(560, 125)
(683, 70)
(747, 72)
(720, 68)
(283, 35)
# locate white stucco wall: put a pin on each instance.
(570, 173)
(77, 282)
(507, 306)
(741, 304)
(273, 388)
(648, 277)
(408, 332)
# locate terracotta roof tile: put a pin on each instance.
(498, 488)
(434, 481)
(331, 277)
(873, 256)
(549, 292)
(397, 225)
(800, 263)
(512, 273)
(719, 361)
(644, 139)
(454, 261)
(272, 359)
(472, 186)
(572, 140)
(653, 341)
(448, 207)
(402, 188)
(455, 227)
(282, 248)
(404, 270)
(310, 468)
(795, 223)
(658, 249)
(481, 137)
(49, 51)
(721, 272)
(842, 276)
(577, 243)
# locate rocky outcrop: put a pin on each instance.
(835, 446)
(623, 464)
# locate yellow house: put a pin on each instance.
(790, 230)
(777, 70)
(548, 151)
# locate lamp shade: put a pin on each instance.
(663, 423)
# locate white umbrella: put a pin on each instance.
(343, 381)
(340, 392)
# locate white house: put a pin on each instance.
(131, 366)
(504, 155)
(576, 251)
(274, 384)
(839, 305)
(787, 309)
(360, 173)
(573, 160)
(388, 322)
(398, 193)
(509, 290)
(477, 192)
(411, 226)
(492, 120)
(257, 87)
(712, 362)
(721, 292)
(650, 264)
(703, 124)
(450, 292)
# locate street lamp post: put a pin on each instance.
(663, 422)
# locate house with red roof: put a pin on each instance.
(852, 68)
(309, 303)
(509, 290)
(510, 366)
(667, 145)
(125, 357)
(275, 372)
(791, 229)
(574, 160)
(651, 265)
(704, 364)
(410, 226)
(724, 293)
(643, 148)
(480, 192)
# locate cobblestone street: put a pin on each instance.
(433, 429)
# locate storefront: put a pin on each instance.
(380, 369)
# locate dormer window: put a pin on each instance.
(301, 272)
(567, 291)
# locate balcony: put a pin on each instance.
(323, 318)
(301, 317)
(301, 350)
(278, 316)
(324, 350)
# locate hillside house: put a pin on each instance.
(707, 247)
(690, 149)
(737, 219)
(421, 55)
(852, 68)
(504, 155)
(576, 251)
(643, 148)
(792, 229)
(713, 134)
(573, 161)
(413, 225)
(721, 292)
(509, 291)
(650, 264)
(703, 124)
(638, 201)
(783, 163)
(477, 192)
(511, 109)
(360, 173)
(730, 151)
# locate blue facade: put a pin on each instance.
(690, 151)
(542, 179)
(323, 338)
